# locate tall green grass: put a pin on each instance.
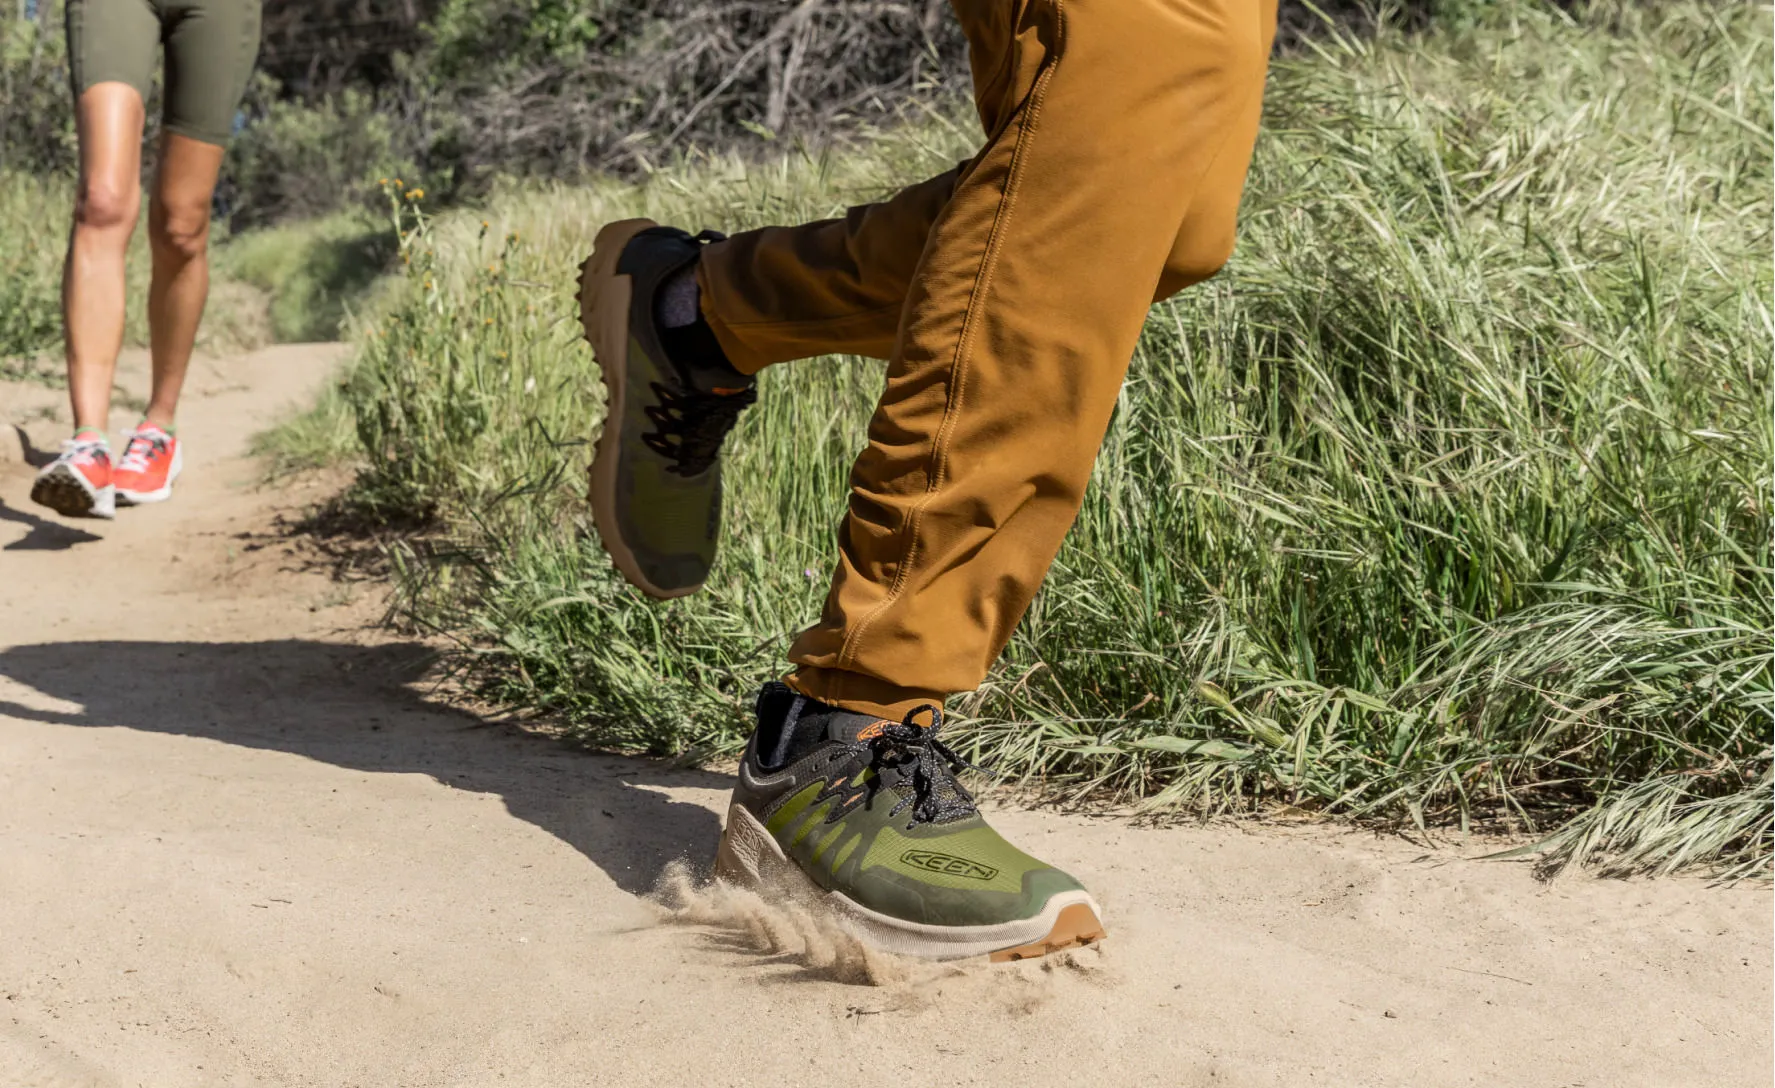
(314, 274)
(35, 213)
(290, 283)
(30, 271)
(1448, 501)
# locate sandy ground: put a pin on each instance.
(239, 847)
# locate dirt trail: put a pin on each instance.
(237, 849)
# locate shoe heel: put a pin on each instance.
(745, 851)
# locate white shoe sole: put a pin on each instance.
(63, 489)
(161, 493)
(749, 856)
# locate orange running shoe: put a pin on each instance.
(149, 465)
(78, 484)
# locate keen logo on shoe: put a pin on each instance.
(943, 863)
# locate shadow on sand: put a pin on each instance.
(44, 535)
(350, 706)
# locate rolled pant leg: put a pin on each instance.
(1119, 134)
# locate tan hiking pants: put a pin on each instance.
(1008, 296)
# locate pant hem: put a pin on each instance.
(860, 694)
(739, 354)
(784, 341)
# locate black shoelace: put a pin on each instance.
(691, 425)
(927, 763)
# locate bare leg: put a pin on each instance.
(110, 194)
(178, 231)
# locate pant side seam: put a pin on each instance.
(958, 365)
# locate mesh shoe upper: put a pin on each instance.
(90, 457)
(871, 809)
(147, 460)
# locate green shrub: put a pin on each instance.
(300, 161)
(30, 270)
(36, 110)
(313, 273)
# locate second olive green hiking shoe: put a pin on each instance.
(673, 396)
(866, 816)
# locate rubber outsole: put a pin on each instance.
(61, 488)
(604, 298)
(1077, 927)
(750, 857)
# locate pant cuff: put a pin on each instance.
(752, 345)
(738, 353)
(860, 694)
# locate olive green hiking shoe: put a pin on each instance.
(673, 396)
(866, 816)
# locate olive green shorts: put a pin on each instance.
(210, 49)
